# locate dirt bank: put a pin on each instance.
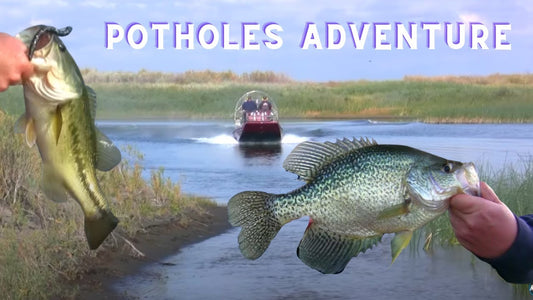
(156, 243)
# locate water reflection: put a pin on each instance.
(272, 151)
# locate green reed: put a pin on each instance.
(495, 98)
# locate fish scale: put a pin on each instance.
(355, 191)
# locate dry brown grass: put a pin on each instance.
(493, 79)
(188, 77)
(43, 243)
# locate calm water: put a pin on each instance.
(205, 159)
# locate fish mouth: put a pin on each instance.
(56, 77)
(469, 180)
(38, 42)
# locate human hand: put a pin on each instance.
(14, 63)
(483, 225)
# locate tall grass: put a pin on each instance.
(188, 77)
(43, 243)
(494, 98)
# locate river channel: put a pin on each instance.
(205, 159)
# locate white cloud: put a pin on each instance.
(470, 18)
(12, 12)
(34, 22)
(99, 4)
(50, 3)
(139, 5)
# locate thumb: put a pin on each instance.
(488, 194)
(27, 71)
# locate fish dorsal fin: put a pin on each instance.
(330, 252)
(107, 154)
(25, 125)
(92, 101)
(310, 157)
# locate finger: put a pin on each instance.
(3, 86)
(27, 71)
(25, 66)
(488, 193)
(464, 204)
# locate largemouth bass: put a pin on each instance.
(59, 118)
(356, 191)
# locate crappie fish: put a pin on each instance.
(356, 191)
(59, 118)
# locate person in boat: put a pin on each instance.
(265, 105)
(248, 107)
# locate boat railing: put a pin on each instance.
(263, 116)
(242, 116)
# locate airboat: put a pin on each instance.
(256, 119)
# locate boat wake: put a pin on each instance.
(293, 139)
(226, 139)
(222, 139)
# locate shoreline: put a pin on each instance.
(156, 243)
(346, 117)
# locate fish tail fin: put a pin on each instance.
(97, 229)
(259, 224)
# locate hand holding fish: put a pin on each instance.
(14, 63)
(483, 225)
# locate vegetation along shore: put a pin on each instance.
(44, 254)
(211, 95)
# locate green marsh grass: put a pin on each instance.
(212, 95)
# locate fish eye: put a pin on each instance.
(447, 167)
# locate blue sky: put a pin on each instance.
(87, 42)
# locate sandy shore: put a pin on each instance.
(156, 243)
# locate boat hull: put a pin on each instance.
(258, 132)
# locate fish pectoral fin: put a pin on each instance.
(26, 125)
(52, 185)
(107, 154)
(329, 252)
(92, 101)
(20, 124)
(58, 124)
(394, 211)
(399, 242)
